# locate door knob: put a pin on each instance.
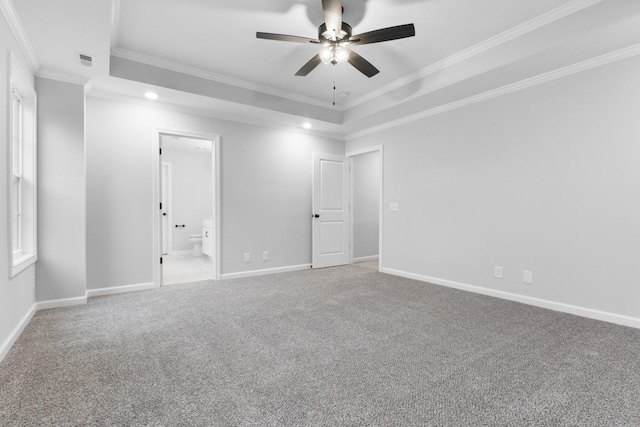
(164, 214)
(316, 216)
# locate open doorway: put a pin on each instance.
(366, 206)
(188, 196)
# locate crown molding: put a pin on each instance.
(490, 43)
(219, 78)
(588, 64)
(15, 24)
(207, 112)
(62, 76)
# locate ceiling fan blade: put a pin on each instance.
(384, 34)
(285, 38)
(309, 66)
(362, 65)
(333, 17)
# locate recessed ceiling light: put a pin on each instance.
(306, 125)
(151, 95)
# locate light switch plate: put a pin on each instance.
(394, 207)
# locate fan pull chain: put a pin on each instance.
(334, 85)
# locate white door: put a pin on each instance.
(330, 210)
(166, 206)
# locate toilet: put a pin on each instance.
(196, 241)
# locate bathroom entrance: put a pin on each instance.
(187, 193)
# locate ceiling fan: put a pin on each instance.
(335, 37)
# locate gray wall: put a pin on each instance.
(544, 179)
(265, 191)
(192, 192)
(17, 294)
(61, 267)
(366, 204)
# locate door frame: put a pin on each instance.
(156, 192)
(351, 154)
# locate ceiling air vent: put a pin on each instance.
(85, 60)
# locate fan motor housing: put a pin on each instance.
(324, 36)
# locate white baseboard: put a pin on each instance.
(538, 302)
(57, 303)
(365, 258)
(265, 271)
(13, 336)
(120, 289)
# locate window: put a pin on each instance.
(22, 171)
(16, 173)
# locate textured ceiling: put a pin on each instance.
(220, 37)
(204, 55)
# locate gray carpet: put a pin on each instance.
(343, 346)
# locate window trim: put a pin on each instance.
(26, 254)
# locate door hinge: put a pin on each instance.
(160, 205)
(160, 260)
(160, 151)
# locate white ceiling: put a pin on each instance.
(461, 48)
(220, 36)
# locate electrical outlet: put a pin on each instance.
(497, 272)
(394, 207)
(527, 277)
(265, 256)
(247, 257)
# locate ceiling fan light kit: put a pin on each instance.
(334, 54)
(336, 39)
